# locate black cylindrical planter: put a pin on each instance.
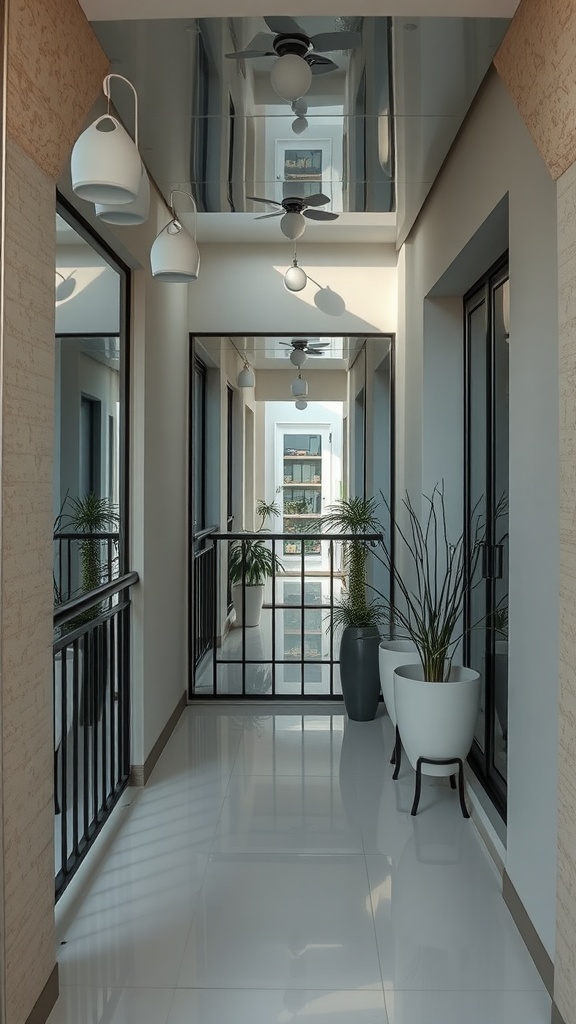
(359, 672)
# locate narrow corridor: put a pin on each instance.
(270, 873)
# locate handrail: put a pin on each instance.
(62, 535)
(264, 535)
(208, 532)
(64, 612)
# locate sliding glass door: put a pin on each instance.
(486, 509)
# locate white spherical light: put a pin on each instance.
(300, 107)
(299, 125)
(301, 404)
(298, 357)
(293, 225)
(295, 279)
(291, 76)
(299, 387)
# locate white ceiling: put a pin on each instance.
(351, 228)
(121, 10)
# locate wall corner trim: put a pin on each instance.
(140, 773)
(556, 1017)
(46, 1000)
(530, 936)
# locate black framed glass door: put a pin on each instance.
(486, 502)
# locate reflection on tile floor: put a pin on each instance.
(271, 872)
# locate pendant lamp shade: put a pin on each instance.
(298, 357)
(174, 256)
(293, 225)
(301, 404)
(295, 278)
(105, 164)
(126, 214)
(246, 377)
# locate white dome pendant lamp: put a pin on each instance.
(174, 256)
(299, 387)
(105, 165)
(127, 214)
(291, 76)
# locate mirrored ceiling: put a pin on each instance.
(278, 352)
(385, 101)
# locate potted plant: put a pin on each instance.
(250, 563)
(436, 702)
(358, 616)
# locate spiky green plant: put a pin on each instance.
(430, 612)
(91, 515)
(249, 558)
(355, 515)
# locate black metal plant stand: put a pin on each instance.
(396, 754)
(432, 760)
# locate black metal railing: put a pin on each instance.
(68, 561)
(204, 582)
(293, 652)
(91, 717)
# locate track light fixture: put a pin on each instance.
(174, 256)
(105, 166)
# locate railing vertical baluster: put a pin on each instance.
(94, 666)
(302, 614)
(216, 588)
(63, 760)
(273, 617)
(331, 560)
(86, 735)
(243, 618)
(113, 705)
(75, 752)
(103, 703)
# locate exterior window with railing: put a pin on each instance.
(91, 579)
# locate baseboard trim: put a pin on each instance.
(556, 1017)
(532, 940)
(140, 773)
(46, 1000)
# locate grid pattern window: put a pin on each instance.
(302, 490)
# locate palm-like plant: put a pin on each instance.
(355, 515)
(90, 515)
(430, 612)
(249, 559)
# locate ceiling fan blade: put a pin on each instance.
(314, 352)
(320, 65)
(283, 25)
(266, 216)
(261, 46)
(269, 202)
(320, 215)
(326, 41)
(317, 199)
(320, 344)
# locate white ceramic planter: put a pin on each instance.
(392, 654)
(436, 720)
(254, 596)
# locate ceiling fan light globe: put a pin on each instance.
(295, 279)
(290, 77)
(293, 225)
(298, 357)
(299, 125)
(301, 404)
(300, 107)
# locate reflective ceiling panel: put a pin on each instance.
(370, 134)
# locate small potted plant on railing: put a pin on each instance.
(358, 616)
(436, 702)
(250, 563)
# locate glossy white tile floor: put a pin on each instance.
(271, 873)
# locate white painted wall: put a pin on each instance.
(351, 289)
(492, 157)
(94, 304)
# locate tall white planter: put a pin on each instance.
(436, 720)
(391, 655)
(248, 610)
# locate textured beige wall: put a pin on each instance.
(536, 61)
(565, 965)
(53, 74)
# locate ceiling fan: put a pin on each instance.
(299, 55)
(295, 209)
(302, 347)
